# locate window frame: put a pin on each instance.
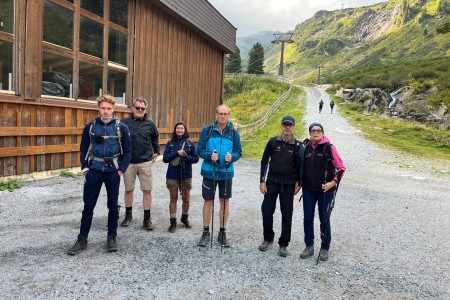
(78, 56)
(11, 38)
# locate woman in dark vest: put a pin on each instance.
(322, 170)
(180, 154)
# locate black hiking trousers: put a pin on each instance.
(286, 194)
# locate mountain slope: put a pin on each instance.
(386, 45)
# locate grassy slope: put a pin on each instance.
(250, 97)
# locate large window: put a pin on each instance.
(6, 44)
(100, 66)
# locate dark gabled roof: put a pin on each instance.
(204, 18)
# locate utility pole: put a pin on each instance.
(282, 38)
(318, 76)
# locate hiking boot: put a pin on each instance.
(80, 244)
(222, 239)
(148, 225)
(323, 254)
(265, 245)
(173, 225)
(128, 218)
(111, 243)
(307, 252)
(205, 239)
(184, 219)
(283, 251)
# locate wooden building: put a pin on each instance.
(58, 56)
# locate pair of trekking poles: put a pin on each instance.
(224, 207)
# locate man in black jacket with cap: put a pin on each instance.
(283, 156)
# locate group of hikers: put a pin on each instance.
(321, 106)
(111, 148)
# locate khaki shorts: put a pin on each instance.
(143, 171)
(173, 184)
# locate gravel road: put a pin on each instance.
(390, 236)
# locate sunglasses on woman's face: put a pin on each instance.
(316, 131)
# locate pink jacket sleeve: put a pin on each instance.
(337, 162)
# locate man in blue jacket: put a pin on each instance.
(105, 153)
(219, 146)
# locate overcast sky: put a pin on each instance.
(252, 16)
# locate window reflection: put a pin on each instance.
(6, 65)
(7, 15)
(95, 7)
(90, 81)
(57, 75)
(91, 37)
(58, 25)
(117, 82)
(118, 12)
(117, 47)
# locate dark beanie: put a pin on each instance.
(316, 124)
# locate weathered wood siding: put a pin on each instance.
(179, 72)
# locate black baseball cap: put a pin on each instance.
(288, 119)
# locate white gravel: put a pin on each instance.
(390, 237)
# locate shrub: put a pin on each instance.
(10, 185)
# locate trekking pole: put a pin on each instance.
(328, 212)
(322, 229)
(181, 177)
(214, 188)
(224, 207)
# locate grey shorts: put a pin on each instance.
(209, 190)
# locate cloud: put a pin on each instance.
(252, 16)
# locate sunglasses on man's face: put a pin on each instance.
(139, 108)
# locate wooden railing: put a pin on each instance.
(246, 129)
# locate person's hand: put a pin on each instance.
(328, 185)
(228, 157)
(120, 172)
(181, 152)
(214, 156)
(155, 156)
(263, 188)
(297, 188)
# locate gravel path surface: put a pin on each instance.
(390, 237)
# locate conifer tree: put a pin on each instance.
(234, 62)
(256, 60)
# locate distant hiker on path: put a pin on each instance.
(180, 154)
(105, 153)
(145, 150)
(332, 105)
(320, 106)
(219, 146)
(282, 156)
(323, 169)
